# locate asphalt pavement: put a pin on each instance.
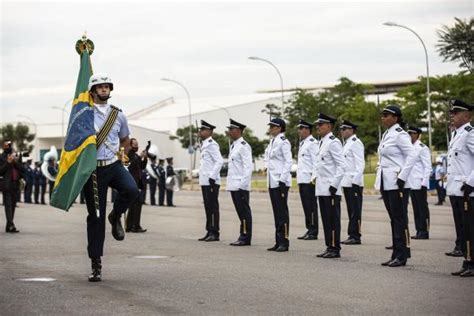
(167, 271)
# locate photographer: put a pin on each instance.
(11, 170)
(137, 164)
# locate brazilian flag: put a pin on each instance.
(78, 157)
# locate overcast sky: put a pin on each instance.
(206, 45)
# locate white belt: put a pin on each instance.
(103, 163)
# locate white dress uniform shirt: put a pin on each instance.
(120, 130)
(329, 167)
(461, 160)
(421, 172)
(240, 166)
(397, 157)
(211, 162)
(278, 161)
(307, 154)
(353, 152)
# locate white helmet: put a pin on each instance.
(100, 78)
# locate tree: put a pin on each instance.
(457, 43)
(182, 135)
(19, 135)
(346, 100)
(412, 99)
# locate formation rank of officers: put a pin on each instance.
(328, 168)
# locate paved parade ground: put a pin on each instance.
(185, 276)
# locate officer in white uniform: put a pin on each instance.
(396, 160)
(419, 179)
(461, 182)
(353, 181)
(238, 180)
(278, 162)
(329, 173)
(307, 153)
(210, 179)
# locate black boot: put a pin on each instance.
(96, 274)
(117, 229)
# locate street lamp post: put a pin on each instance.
(279, 75)
(190, 148)
(226, 111)
(36, 133)
(428, 99)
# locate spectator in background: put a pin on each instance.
(440, 174)
(169, 173)
(29, 181)
(137, 164)
(11, 171)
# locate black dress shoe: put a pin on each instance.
(240, 243)
(304, 236)
(310, 237)
(322, 254)
(96, 275)
(117, 229)
(11, 229)
(459, 272)
(139, 230)
(351, 241)
(273, 248)
(212, 238)
(467, 273)
(389, 247)
(331, 255)
(423, 237)
(397, 263)
(204, 238)
(386, 263)
(281, 249)
(455, 253)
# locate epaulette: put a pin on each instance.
(332, 137)
(116, 108)
(283, 138)
(210, 140)
(468, 128)
(243, 143)
(399, 129)
(422, 145)
(354, 138)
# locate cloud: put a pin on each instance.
(206, 45)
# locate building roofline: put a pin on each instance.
(380, 87)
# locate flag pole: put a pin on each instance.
(94, 173)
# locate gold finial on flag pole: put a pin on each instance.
(84, 43)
